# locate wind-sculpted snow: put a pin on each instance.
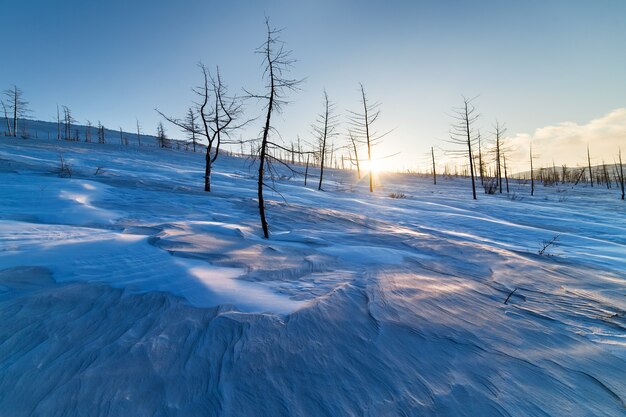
(132, 292)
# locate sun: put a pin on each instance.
(376, 166)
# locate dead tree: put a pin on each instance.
(356, 155)
(481, 166)
(161, 137)
(58, 124)
(191, 122)
(432, 153)
(88, 132)
(6, 118)
(619, 169)
(362, 126)
(218, 113)
(16, 106)
(589, 164)
(220, 121)
(325, 129)
(498, 132)
(463, 133)
(506, 175)
(532, 177)
(138, 132)
(276, 63)
(306, 170)
(68, 120)
(101, 137)
(605, 172)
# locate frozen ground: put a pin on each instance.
(130, 292)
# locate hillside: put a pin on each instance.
(127, 290)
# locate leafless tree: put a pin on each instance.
(138, 132)
(101, 137)
(506, 175)
(589, 164)
(619, 169)
(16, 106)
(68, 121)
(432, 153)
(463, 133)
(161, 137)
(219, 115)
(220, 122)
(191, 122)
(362, 127)
(356, 155)
(276, 63)
(58, 124)
(532, 176)
(306, 170)
(325, 129)
(88, 132)
(481, 164)
(6, 118)
(607, 179)
(498, 150)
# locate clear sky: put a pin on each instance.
(534, 63)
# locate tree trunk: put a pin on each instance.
(207, 171)
(15, 110)
(469, 150)
(589, 164)
(432, 152)
(532, 179)
(266, 131)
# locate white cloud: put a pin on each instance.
(566, 143)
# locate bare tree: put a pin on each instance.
(506, 175)
(191, 122)
(219, 123)
(498, 151)
(589, 164)
(361, 124)
(605, 173)
(101, 137)
(532, 176)
(276, 63)
(15, 105)
(138, 132)
(219, 118)
(6, 118)
(68, 121)
(161, 137)
(463, 133)
(356, 155)
(325, 129)
(88, 132)
(619, 169)
(481, 165)
(432, 153)
(58, 124)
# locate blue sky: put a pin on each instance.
(533, 63)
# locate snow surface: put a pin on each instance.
(127, 290)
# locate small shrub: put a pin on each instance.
(65, 169)
(546, 244)
(397, 195)
(491, 186)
